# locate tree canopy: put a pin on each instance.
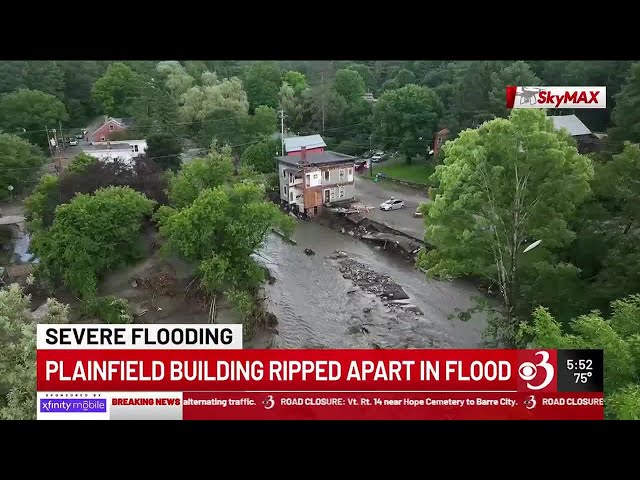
(117, 90)
(20, 162)
(618, 336)
(407, 118)
(18, 393)
(91, 235)
(504, 185)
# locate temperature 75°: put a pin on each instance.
(582, 377)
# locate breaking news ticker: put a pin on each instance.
(201, 372)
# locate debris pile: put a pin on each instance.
(161, 283)
(370, 281)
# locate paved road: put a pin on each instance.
(374, 194)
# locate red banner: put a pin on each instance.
(391, 406)
(298, 370)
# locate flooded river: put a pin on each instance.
(315, 310)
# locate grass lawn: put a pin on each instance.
(416, 172)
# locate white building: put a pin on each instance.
(125, 150)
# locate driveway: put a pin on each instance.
(373, 194)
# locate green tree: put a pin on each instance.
(365, 72)
(200, 102)
(221, 230)
(509, 182)
(80, 162)
(41, 205)
(177, 79)
(116, 91)
(202, 173)
(471, 104)
(90, 236)
(20, 162)
(263, 122)
(407, 118)
(295, 80)
(165, 150)
(617, 190)
(402, 78)
(349, 84)
(625, 115)
(262, 82)
(79, 78)
(618, 336)
(30, 111)
(261, 156)
(518, 73)
(46, 76)
(18, 351)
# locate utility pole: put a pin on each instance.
(49, 142)
(282, 131)
(323, 104)
(55, 134)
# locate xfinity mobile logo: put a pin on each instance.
(556, 97)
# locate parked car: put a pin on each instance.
(79, 136)
(377, 157)
(73, 142)
(361, 165)
(392, 204)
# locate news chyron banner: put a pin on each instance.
(201, 372)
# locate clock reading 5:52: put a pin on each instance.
(579, 364)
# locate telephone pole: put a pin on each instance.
(282, 131)
(49, 142)
(322, 103)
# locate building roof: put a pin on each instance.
(317, 158)
(121, 122)
(294, 144)
(113, 146)
(125, 122)
(571, 123)
(292, 170)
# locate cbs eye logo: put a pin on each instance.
(529, 371)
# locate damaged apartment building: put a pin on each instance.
(312, 177)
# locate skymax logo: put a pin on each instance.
(556, 97)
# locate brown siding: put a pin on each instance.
(312, 197)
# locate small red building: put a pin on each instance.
(108, 127)
(438, 139)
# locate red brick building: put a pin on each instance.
(438, 139)
(108, 127)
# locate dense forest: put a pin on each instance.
(504, 180)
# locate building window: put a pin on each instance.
(350, 172)
(315, 210)
(341, 192)
(307, 179)
(284, 174)
(315, 176)
(135, 147)
(111, 128)
(285, 191)
(291, 196)
(341, 174)
(326, 175)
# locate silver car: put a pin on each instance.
(392, 204)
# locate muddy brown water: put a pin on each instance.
(315, 310)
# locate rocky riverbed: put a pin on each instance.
(392, 295)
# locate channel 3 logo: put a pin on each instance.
(537, 375)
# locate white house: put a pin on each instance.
(125, 150)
